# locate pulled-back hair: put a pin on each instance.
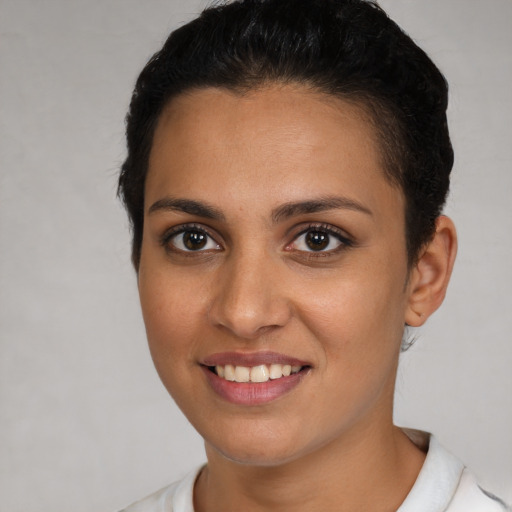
(349, 49)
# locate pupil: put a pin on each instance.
(316, 240)
(194, 240)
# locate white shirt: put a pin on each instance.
(443, 485)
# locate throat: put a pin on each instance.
(324, 480)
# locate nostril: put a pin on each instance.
(248, 310)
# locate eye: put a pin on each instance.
(320, 239)
(190, 239)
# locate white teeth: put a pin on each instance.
(229, 372)
(242, 374)
(276, 371)
(260, 373)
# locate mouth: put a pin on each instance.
(260, 373)
(253, 378)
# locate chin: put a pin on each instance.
(258, 458)
(259, 450)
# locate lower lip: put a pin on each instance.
(250, 393)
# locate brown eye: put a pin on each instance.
(190, 240)
(317, 240)
(322, 239)
(194, 240)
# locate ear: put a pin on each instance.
(429, 278)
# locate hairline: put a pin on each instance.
(374, 109)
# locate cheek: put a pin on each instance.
(171, 311)
(359, 331)
(359, 313)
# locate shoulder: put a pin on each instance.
(177, 497)
(159, 501)
(445, 484)
(470, 497)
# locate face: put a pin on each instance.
(273, 274)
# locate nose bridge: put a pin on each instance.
(249, 297)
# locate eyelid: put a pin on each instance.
(166, 237)
(342, 236)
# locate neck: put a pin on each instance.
(369, 469)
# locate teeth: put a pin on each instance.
(242, 374)
(229, 372)
(276, 371)
(261, 373)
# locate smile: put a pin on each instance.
(260, 373)
(253, 378)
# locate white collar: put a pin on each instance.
(438, 479)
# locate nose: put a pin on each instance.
(250, 299)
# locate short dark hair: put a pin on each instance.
(349, 49)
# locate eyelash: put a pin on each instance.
(326, 229)
(166, 239)
(344, 241)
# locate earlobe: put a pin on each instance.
(430, 276)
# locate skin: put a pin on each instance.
(258, 286)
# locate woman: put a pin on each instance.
(288, 162)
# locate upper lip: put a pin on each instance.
(251, 359)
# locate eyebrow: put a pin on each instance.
(187, 206)
(322, 204)
(283, 212)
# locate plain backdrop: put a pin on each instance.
(85, 423)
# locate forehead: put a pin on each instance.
(271, 141)
(276, 117)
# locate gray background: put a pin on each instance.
(85, 423)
